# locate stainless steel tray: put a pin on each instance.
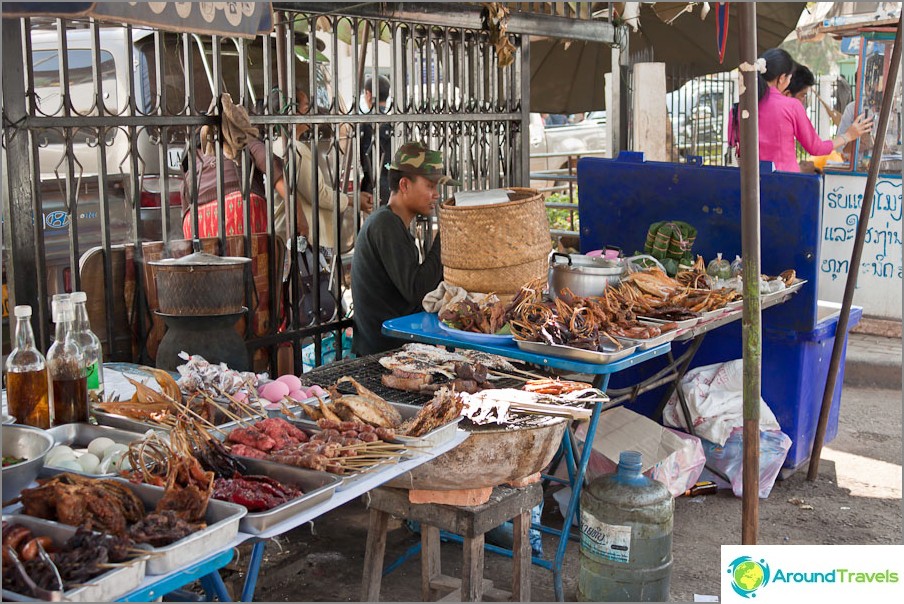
(103, 588)
(125, 423)
(317, 488)
(79, 435)
(576, 354)
(308, 426)
(649, 343)
(686, 324)
(222, 519)
(437, 436)
(782, 293)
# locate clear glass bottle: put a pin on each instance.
(91, 346)
(27, 379)
(66, 363)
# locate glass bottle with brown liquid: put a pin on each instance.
(27, 380)
(65, 360)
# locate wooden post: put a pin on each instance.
(374, 550)
(750, 250)
(649, 111)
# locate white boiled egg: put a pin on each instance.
(89, 463)
(99, 445)
(69, 465)
(115, 450)
(60, 453)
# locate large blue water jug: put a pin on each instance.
(626, 536)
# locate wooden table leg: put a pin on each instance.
(430, 561)
(373, 556)
(521, 559)
(472, 570)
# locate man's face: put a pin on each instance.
(420, 194)
(800, 96)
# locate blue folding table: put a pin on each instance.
(424, 327)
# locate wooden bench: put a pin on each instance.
(470, 522)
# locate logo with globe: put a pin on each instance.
(748, 575)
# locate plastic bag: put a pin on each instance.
(737, 267)
(728, 459)
(715, 401)
(719, 268)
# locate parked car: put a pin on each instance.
(698, 112)
(552, 146)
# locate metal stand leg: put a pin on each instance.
(214, 586)
(574, 502)
(254, 567)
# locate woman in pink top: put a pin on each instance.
(783, 119)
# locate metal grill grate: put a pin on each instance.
(367, 370)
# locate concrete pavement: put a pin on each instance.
(873, 362)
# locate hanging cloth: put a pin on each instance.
(721, 28)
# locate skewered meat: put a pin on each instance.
(554, 386)
(307, 460)
(159, 529)
(256, 493)
(246, 451)
(251, 437)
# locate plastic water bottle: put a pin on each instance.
(626, 536)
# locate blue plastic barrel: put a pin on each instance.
(626, 536)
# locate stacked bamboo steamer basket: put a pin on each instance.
(498, 247)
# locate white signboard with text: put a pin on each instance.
(879, 281)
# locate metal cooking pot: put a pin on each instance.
(201, 284)
(583, 275)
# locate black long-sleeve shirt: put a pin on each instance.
(388, 280)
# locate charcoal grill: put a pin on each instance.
(367, 370)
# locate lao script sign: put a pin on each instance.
(879, 279)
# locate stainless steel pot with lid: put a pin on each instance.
(201, 284)
(588, 276)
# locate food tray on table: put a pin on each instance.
(128, 424)
(78, 436)
(685, 324)
(308, 427)
(437, 436)
(576, 354)
(477, 338)
(770, 297)
(222, 520)
(648, 343)
(102, 588)
(316, 486)
(709, 315)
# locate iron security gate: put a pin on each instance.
(97, 117)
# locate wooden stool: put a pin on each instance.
(506, 503)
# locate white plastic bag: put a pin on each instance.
(715, 401)
(729, 459)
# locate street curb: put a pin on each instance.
(873, 362)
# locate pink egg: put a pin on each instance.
(298, 395)
(290, 380)
(318, 391)
(275, 391)
(240, 395)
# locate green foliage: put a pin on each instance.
(818, 56)
(563, 218)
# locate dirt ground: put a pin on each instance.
(856, 500)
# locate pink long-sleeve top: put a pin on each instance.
(783, 120)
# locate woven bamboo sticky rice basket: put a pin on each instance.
(498, 247)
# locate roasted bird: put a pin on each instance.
(444, 408)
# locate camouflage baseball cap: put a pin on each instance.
(418, 160)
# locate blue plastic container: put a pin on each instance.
(620, 198)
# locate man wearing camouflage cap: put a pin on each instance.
(388, 278)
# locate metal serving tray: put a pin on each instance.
(782, 293)
(125, 423)
(78, 436)
(437, 436)
(222, 519)
(317, 488)
(650, 342)
(576, 354)
(686, 324)
(308, 426)
(102, 588)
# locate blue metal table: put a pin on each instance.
(424, 327)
